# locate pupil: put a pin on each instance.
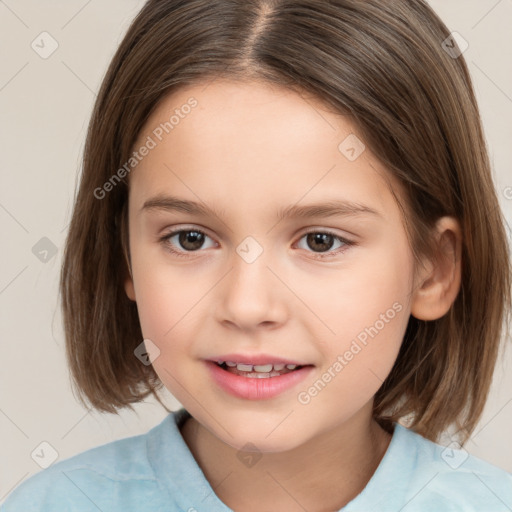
(320, 238)
(191, 240)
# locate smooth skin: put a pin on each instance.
(248, 150)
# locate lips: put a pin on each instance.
(255, 382)
(257, 365)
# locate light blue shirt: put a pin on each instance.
(157, 472)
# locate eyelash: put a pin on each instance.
(184, 254)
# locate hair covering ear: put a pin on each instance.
(121, 224)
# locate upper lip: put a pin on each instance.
(256, 359)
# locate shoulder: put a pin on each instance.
(90, 480)
(452, 479)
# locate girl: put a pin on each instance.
(287, 218)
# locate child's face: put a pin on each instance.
(249, 151)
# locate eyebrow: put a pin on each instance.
(325, 209)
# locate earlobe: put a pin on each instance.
(439, 285)
(129, 288)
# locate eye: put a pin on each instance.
(190, 240)
(322, 241)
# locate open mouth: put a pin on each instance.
(261, 381)
(261, 371)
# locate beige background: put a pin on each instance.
(45, 106)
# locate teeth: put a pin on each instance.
(260, 368)
(244, 367)
(264, 368)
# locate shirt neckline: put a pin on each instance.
(179, 473)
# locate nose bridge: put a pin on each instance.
(251, 294)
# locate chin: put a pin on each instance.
(258, 437)
(258, 444)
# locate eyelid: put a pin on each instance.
(186, 227)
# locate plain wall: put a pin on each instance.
(45, 107)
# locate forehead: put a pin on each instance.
(254, 142)
(257, 114)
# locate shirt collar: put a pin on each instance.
(178, 472)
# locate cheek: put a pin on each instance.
(165, 294)
(166, 319)
(355, 367)
(368, 317)
(374, 287)
(170, 311)
(156, 308)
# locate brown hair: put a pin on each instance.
(381, 62)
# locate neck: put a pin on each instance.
(325, 473)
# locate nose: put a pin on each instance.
(251, 296)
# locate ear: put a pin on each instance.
(128, 276)
(439, 281)
(129, 288)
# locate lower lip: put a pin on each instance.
(254, 388)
